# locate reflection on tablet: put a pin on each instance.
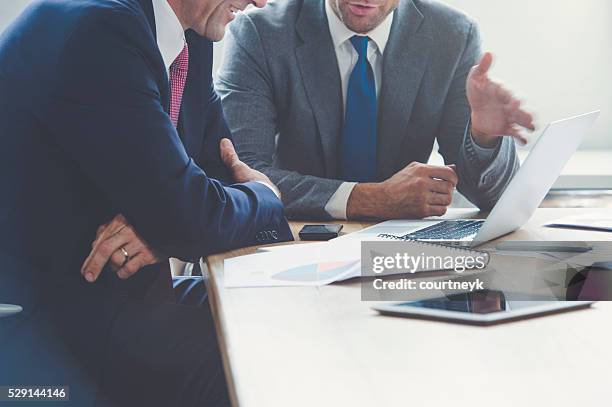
(484, 307)
(478, 302)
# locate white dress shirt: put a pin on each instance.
(170, 33)
(347, 58)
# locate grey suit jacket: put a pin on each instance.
(280, 77)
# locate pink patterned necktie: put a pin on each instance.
(178, 77)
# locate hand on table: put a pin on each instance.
(418, 191)
(120, 245)
(495, 111)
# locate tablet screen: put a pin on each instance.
(477, 302)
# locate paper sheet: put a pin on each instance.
(298, 265)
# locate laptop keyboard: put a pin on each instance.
(447, 230)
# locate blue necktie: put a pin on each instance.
(357, 153)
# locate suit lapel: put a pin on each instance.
(404, 64)
(318, 65)
(147, 8)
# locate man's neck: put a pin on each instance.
(178, 6)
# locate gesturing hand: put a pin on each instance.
(118, 243)
(495, 111)
(240, 171)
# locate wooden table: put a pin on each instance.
(305, 346)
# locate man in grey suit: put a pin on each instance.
(340, 101)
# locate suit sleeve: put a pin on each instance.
(248, 100)
(105, 113)
(209, 158)
(482, 180)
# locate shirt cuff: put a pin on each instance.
(336, 206)
(484, 155)
(271, 188)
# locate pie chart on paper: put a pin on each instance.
(315, 272)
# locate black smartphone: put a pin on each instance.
(320, 233)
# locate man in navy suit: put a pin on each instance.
(108, 114)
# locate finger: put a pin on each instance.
(516, 133)
(443, 173)
(135, 264)
(114, 226)
(515, 115)
(101, 254)
(228, 153)
(441, 187)
(133, 248)
(117, 260)
(100, 230)
(435, 210)
(105, 231)
(436, 199)
(131, 267)
(484, 65)
(524, 119)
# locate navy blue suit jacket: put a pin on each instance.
(85, 135)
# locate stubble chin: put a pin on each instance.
(360, 26)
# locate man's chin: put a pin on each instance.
(214, 31)
(361, 25)
(215, 34)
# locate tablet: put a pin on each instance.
(485, 307)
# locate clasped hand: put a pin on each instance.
(120, 246)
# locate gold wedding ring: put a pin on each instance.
(126, 255)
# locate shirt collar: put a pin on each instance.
(170, 33)
(340, 33)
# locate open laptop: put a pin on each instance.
(524, 194)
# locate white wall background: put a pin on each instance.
(9, 9)
(557, 54)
